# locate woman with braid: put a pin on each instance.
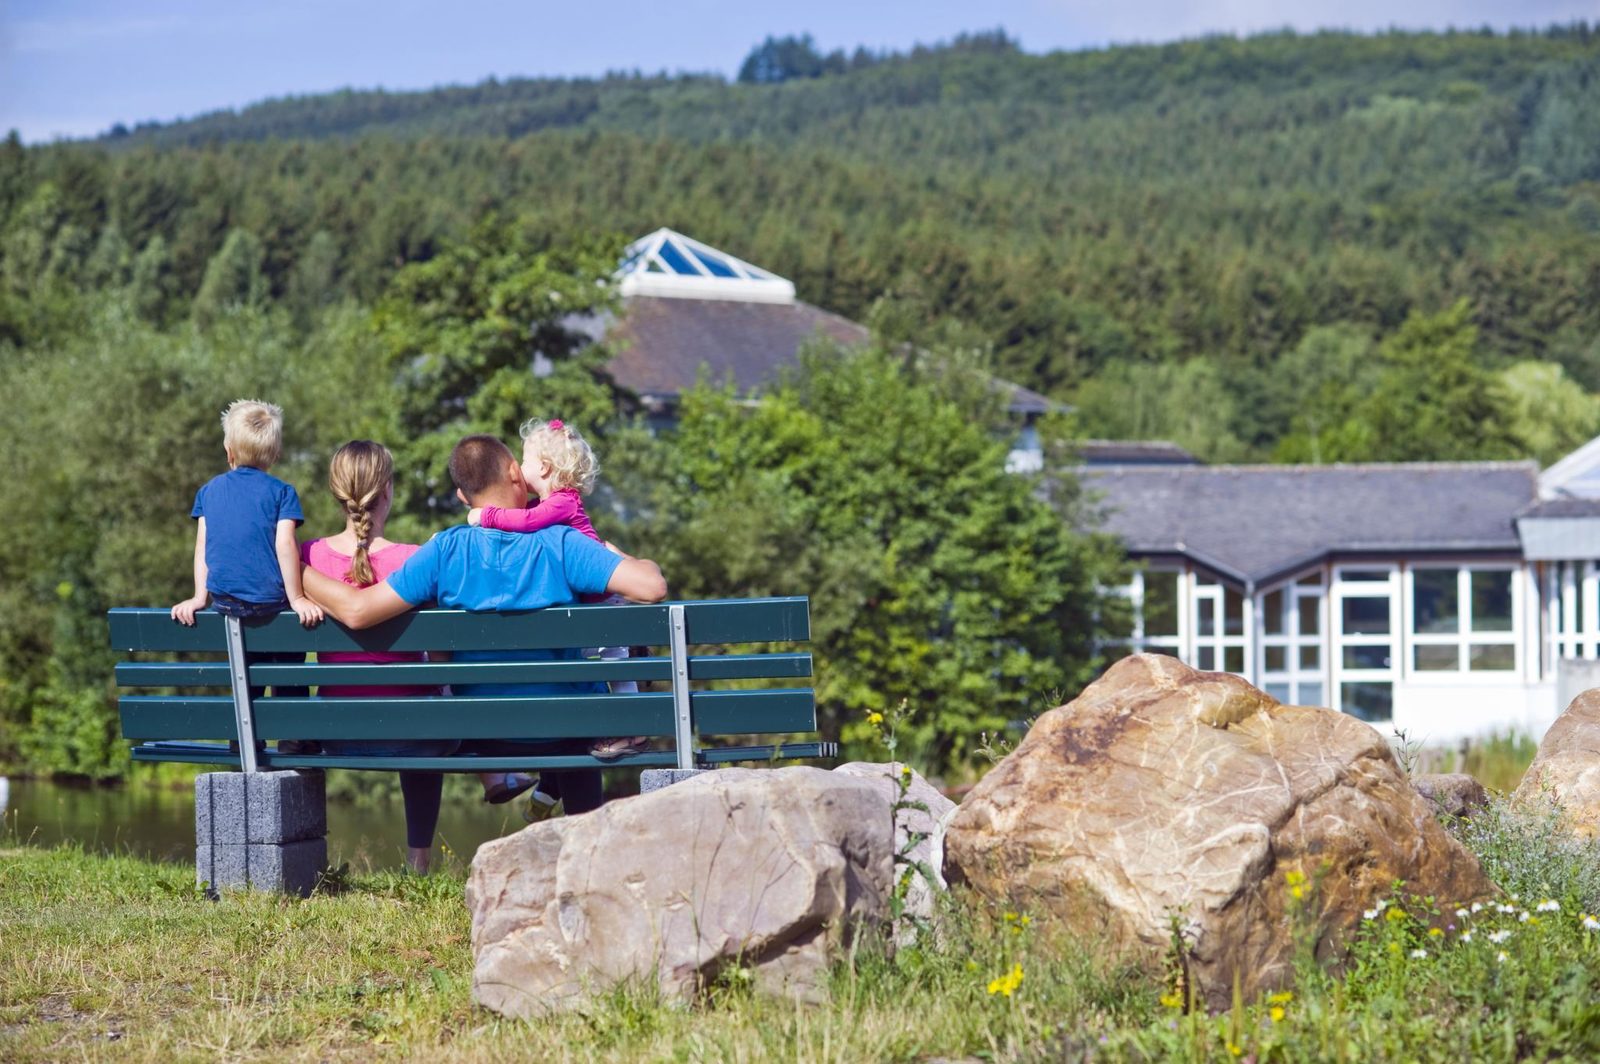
(361, 477)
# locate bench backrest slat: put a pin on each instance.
(715, 622)
(154, 717)
(712, 667)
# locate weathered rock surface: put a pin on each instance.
(1452, 793)
(1567, 767)
(771, 870)
(1161, 790)
(932, 824)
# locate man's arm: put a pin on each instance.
(309, 612)
(638, 579)
(354, 607)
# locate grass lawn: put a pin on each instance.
(112, 958)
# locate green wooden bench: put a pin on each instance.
(178, 723)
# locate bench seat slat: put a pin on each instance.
(706, 667)
(715, 622)
(468, 717)
(218, 754)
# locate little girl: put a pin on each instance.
(560, 468)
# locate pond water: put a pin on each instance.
(157, 822)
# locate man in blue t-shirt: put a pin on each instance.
(473, 568)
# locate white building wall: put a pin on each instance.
(1442, 713)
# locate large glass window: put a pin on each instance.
(1291, 666)
(1463, 619)
(1365, 609)
(1156, 596)
(1220, 642)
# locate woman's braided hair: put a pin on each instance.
(358, 475)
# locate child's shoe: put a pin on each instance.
(508, 787)
(540, 806)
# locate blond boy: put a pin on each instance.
(246, 561)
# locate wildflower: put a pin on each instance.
(1524, 917)
(1461, 914)
(1235, 1050)
(1276, 1013)
(1007, 984)
(1383, 903)
(1394, 947)
(1370, 914)
(1515, 897)
(1394, 915)
(1009, 918)
(1500, 958)
(1024, 920)
(1549, 905)
(905, 772)
(1173, 1000)
(874, 718)
(1466, 936)
(1282, 997)
(1477, 906)
(1434, 932)
(1503, 908)
(1498, 937)
(1419, 953)
(1590, 923)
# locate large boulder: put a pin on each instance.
(1163, 792)
(930, 822)
(766, 870)
(1567, 767)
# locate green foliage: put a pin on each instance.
(875, 483)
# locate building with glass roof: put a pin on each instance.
(690, 309)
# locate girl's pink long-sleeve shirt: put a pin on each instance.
(563, 507)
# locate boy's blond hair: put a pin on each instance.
(252, 431)
(572, 461)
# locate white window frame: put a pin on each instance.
(1341, 589)
(1463, 638)
(1299, 597)
(1210, 593)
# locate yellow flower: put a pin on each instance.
(1294, 878)
(1297, 892)
(874, 718)
(1276, 1013)
(1434, 932)
(1394, 947)
(1007, 984)
(1235, 1050)
(1395, 914)
(1173, 1000)
(1282, 997)
(1010, 918)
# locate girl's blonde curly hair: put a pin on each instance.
(572, 461)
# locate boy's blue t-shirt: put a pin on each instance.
(242, 508)
(484, 569)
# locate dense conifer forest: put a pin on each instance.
(1327, 247)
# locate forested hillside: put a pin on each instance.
(1314, 248)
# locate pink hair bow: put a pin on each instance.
(556, 425)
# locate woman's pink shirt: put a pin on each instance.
(329, 562)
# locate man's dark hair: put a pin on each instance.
(479, 462)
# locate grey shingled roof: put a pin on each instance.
(1255, 523)
(663, 343)
(1569, 507)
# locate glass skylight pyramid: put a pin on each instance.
(667, 263)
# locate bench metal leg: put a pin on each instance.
(239, 674)
(683, 731)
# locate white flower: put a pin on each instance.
(1516, 897)
(1419, 953)
(1461, 914)
(1477, 906)
(1383, 903)
(1466, 936)
(1549, 905)
(1500, 957)
(1370, 914)
(1498, 937)
(1522, 918)
(1590, 923)
(1505, 908)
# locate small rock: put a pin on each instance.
(1454, 794)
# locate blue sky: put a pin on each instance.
(74, 67)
